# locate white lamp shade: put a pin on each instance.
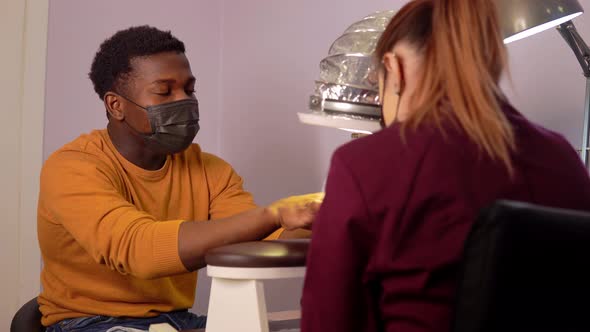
(522, 18)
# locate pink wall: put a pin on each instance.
(271, 53)
(255, 63)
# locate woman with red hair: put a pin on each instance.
(399, 204)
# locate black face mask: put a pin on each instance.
(174, 125)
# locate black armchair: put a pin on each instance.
(525, 268)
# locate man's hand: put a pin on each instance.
(297, 211)
(298, 216)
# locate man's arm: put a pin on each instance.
(82, 194)
(292, 214)
(229, 198)
(247, 226)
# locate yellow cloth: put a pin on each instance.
(108, 230)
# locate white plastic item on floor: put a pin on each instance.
(163, 327)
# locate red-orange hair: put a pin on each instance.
(463, 59)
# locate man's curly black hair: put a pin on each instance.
(112, 63)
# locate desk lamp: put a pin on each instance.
(523, 18)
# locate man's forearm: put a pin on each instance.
(196, 238)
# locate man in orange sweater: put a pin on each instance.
(126, 213)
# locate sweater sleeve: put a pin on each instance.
(84, 195)
(227, 194)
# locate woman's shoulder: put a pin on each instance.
(393, 142)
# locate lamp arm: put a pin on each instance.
(581, 50)
(574, 40)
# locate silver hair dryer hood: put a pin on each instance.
(346, 94)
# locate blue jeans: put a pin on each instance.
(180, 320)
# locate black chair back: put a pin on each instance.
(27, 318)
(525, 268)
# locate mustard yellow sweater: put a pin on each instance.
(108, 230)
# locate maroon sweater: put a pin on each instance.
(388, 239)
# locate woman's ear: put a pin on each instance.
(112, 103)
(393, 66)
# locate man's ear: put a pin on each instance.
(112, 103)
(395, 72)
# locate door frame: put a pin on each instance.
(32, 133)
(23, 31)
